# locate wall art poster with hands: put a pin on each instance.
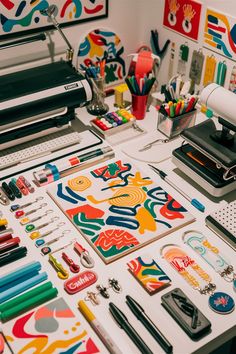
(183, 16)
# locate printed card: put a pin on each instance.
(148, 273)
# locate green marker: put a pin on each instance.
(26, 296)
(172, 110)
(28, 304)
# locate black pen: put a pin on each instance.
(126, 326)
(139, 312)
(164, 176)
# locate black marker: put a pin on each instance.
(7, 190)
(126, 326)
(13, 255)
(15, 189)
(139, 312)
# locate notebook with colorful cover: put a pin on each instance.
(51, 328)
(118, 208)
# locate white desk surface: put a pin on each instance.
(223, 326)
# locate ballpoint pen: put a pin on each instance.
(3, 341)
(193, 201)
(123, 323)
(139, 312)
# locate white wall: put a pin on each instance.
(152, 18)
(132, 20)
(123, 20)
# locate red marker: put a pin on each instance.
(5, 237)
(190, 104)
(167, 108)
(177, 108)
(11, 243)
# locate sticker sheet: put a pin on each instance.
(52, 328)
(148, 273)
(118, 208)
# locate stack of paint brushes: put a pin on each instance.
(140, 86)
(95, 70)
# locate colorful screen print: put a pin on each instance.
(183, 16)
(19, 17)
(103, 44)
(52, 328)
(148, 273)
(220, 34)
(118, 208)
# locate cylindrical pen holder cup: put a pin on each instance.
(98, 106)
(139, 106)
(172, 127)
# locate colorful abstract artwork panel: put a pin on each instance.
(148, 273)
(220, 34)
(99, 45)
(18, 17)
(118, 208)
(183, 16)
(52, 328)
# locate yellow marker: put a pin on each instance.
(3, 222)
(98, 328)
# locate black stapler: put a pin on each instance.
(209, 154)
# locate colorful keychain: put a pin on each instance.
(32, 227)
(211, 254)
(219, 302)
(74, 268)
(17, 206)
(172, 60)
(46, 250)
(221, 73)
(26, 221)
(41, 242)
(36, 234)
(183, 59)
(62, 273)
(195, 73)
(85, 258)
(210, 68)
(27, 184)
(20, 213)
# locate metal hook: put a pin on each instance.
(114, 284)
(92, 297)
(103, 291)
